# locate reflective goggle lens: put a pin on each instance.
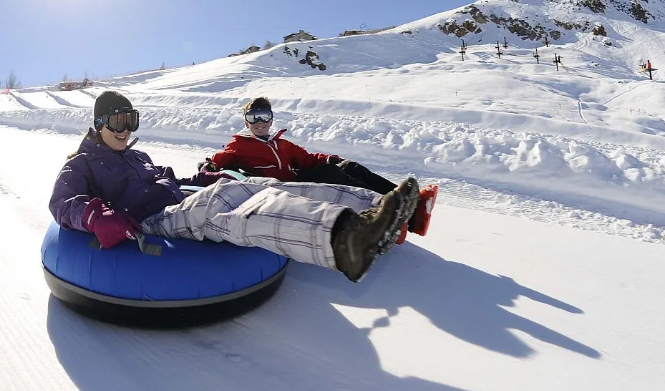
(121, 121)
(258, 116)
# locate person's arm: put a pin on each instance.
(302, 159)
(225, 157)
(74, 206)
(71, 195)
(203, 179)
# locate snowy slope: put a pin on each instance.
(484, 302)
(542, 267)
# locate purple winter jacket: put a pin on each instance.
(125, 180)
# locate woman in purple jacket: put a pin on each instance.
(107, 188)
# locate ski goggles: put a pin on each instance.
(119, 120)
(256, 116)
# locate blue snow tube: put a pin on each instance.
(171, 283)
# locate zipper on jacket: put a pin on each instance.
(279, 161)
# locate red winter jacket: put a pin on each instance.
(275, 158)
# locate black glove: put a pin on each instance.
(334, 159)
(207, 166)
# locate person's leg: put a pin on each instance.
(329, 173)
(306, 230)
(292, 219)
(419, 222)
(249, 214)
(371, 180)
(355, 198)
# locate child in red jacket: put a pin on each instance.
(259, 153)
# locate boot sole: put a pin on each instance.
(424, 226)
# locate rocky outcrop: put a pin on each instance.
(518, 27)
(460, 30)
(251, 49)
(599, 30)
(312, 59)
(596, 6)
(529, 30)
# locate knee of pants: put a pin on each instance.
(344, 163)
(349, 165)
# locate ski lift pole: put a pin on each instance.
(650, 69)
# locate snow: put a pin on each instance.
(542, 266)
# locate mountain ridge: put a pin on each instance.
(535, 20)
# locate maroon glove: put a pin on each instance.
(110, 227)
(208, 178)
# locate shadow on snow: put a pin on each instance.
(298, 339)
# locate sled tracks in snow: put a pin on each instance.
(62, 101)
(564, 209)
(569, 210)
(23, 102)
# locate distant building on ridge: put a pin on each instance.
(299, 36)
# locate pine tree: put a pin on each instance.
(12, 82)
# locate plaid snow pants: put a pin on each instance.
(287, 218)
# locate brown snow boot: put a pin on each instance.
(358, 238)
(407, 194)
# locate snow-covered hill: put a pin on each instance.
(551, 188)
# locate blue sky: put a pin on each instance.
(42, 40)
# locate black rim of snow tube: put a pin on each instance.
(163, 313)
